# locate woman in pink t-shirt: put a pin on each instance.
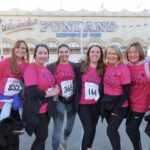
(11, 76)
(116, 91)
(89, 93)
(65, 75)
(140, 90)
(40, 89)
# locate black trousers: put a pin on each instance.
(132, 129)
(88, 115)
(114, 123)
(41, 132)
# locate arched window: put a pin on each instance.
(119, 45)
(52, 46)
(74, 47)
(93, 43)
(31, 46)
(6, 48)
(90, 44)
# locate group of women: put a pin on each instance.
(104, 84)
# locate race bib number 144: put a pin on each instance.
(91, 91)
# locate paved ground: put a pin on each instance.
(101, 141)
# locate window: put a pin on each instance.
(52, 46)
(6, 48)
(74, 47)
(119, 45)
(93, 43)
(31, 46)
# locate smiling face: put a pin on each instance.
(20, 51)
(112, 56)
(41, 56)
(133, 55)
(94, 55)
(63, 54)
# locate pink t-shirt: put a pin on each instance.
(140, 88)
(114, 77)
(39, 75)
(64, 76)
(10, 82)
(90, 81)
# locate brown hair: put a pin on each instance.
(138, 46)
(100, 66)
(40, 45)
(14, 64)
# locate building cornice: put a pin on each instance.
(81, 13)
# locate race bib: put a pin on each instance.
(67, 88)
(12, 87)
(91, 91)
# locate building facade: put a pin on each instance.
(77, 29)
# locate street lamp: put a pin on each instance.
(81, 39)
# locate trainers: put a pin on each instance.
(63, 145)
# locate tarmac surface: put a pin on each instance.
(101, 141)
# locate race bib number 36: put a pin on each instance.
(91, 91)
(67, 88)
(12, 87)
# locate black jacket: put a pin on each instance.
(79, 88)
(52, 68)
(34, 98)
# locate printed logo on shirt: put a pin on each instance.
(64, 75)
(49, 78)
(137, 78)
(111, 78)
(91, 77)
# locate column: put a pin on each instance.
(81, 39)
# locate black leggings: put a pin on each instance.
(88, 115)
(41, 132)
(112, 130)
(132, 129)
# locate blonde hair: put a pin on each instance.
(119, 52)
(14, 64)
(138, 47)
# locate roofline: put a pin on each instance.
(80, 13)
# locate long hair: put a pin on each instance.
(139, 48)
(14, 63)
(100, 65)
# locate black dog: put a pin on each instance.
(9, 130)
